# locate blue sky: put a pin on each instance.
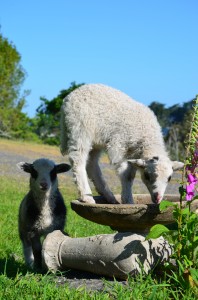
(146, 48)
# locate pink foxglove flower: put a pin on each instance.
(192, 180)
(190, 191)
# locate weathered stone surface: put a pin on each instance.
(137, 218)
(114, 255)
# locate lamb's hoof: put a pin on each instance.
(127, 202)
(112, 200)
(87, 199)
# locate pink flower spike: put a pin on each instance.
(190, 188)
(190, 191)
(192, 179)
(189, 197)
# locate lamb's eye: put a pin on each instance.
(53, 174)
(146, 176)
(169, 178)
(34, 173)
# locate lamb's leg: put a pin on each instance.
(95, 175)
(78, 160)
(37, 252)
(28, 253)
(126, 173)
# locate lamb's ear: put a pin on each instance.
(61, 168)
(139, 163)
(26, 167)
(177, 165)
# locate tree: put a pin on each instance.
(175, 125)
(160, 111)
(12, 76)
(48, 116)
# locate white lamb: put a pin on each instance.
(96, 117)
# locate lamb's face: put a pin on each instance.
(156, 173)
(43, 173)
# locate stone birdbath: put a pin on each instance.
(118, 254)
(136, 218)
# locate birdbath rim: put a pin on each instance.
(137, 217)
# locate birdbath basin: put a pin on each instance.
(137, 218)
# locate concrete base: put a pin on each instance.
(114, 255)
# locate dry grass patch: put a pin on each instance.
(25, 148)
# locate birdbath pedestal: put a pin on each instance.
(117, 254)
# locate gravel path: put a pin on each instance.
(8, 161)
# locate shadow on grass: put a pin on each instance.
(10, 267)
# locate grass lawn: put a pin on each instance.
(17, 282)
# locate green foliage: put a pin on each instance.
(185, 238)
(185, 243)
(11, 73)
(175, 122)
(48, 116)
(160, 111)
(172, 115)
(13, 123)
(165, 204)
(156, 231)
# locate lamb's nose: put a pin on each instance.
(157, 198)
(43, 186)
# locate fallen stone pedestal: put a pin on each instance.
(114, 255)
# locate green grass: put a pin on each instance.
(17, 282)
